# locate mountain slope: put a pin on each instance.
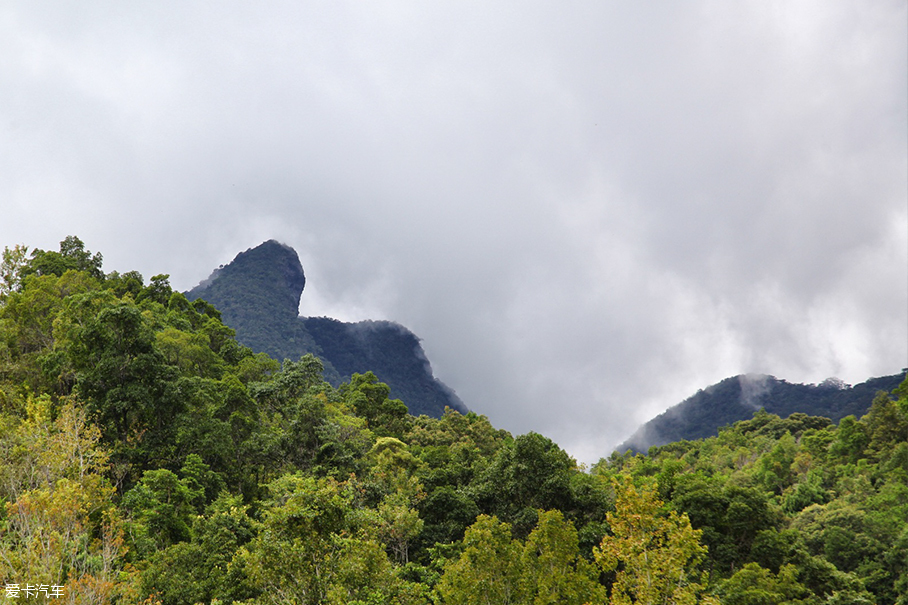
(258, 295)
(738, 397)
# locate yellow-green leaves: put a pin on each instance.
(489, 571)
(554, 571)
(311, 548)
(653, 554)
(59, 526)
(496, 569)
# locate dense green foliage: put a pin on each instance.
(259, 295)
(146, 457)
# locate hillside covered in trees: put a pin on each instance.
(738, 397)
(147, 457)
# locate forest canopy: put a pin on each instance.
(147, 457)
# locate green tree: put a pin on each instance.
(729, 517)
(310, 549)
(446, 514)
(72, 257)
(161, 509)
(30, 312)
(851, 440)
(653, 554)
(13, 262)
(753, 585)
(203, 569)
(489, 571)
(158, 290)
(527, 475)
(190, 352)
(369, 398)
(773, 469)
(121, 372)
(887, 425)
(554, 572)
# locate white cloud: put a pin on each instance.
(586, 211)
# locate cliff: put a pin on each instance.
(258, 294)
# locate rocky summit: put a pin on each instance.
(258, 294)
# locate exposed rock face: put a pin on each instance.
(737, 398)
(258, 295)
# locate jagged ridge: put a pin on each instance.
(259, 293)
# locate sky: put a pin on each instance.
(586, 210)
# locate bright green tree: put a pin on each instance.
(311, 548)
(754, 585)
(554, 572)
(653, 554)
(489, 571)
(72, 257)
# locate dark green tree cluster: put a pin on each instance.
(146, 457)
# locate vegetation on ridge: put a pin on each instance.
(259, 295)
(738, 397)
(146, 457)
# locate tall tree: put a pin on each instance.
(13, 262)
(653, 554)
(72, 257)
(488, 571)
(554, 572)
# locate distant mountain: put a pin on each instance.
(258, 295)
(737, 398)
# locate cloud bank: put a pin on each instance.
(586, 210)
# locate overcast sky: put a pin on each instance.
(586, 210)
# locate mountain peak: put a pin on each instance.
(258, 295)
(275, 268)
